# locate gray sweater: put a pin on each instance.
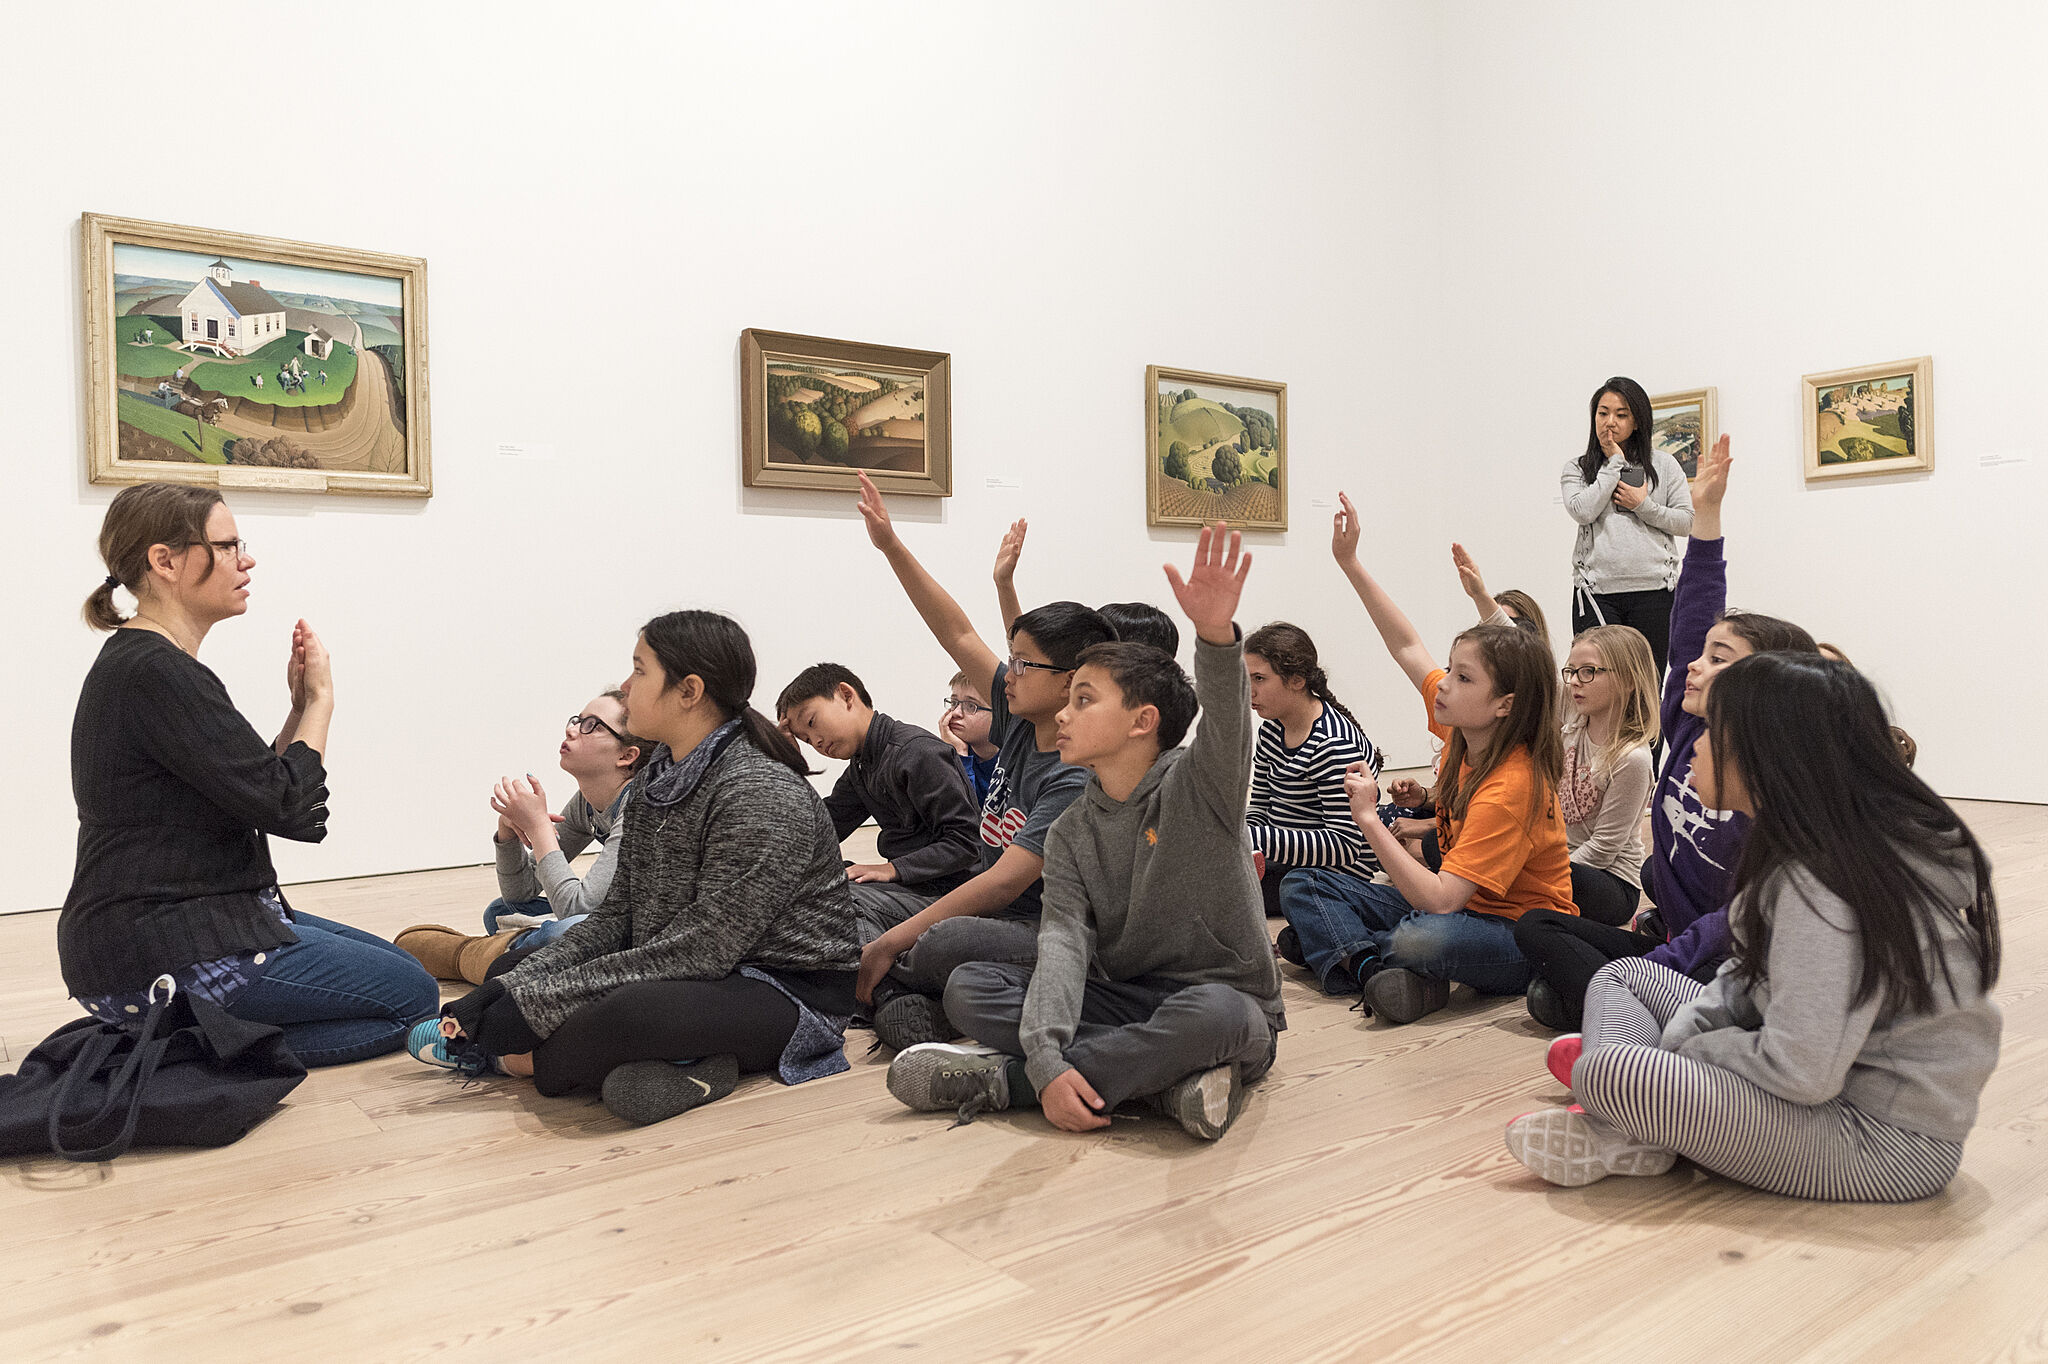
(744, 871)
(521, 879)
(1796, 1035)
(1160, 886)
(1619, 551)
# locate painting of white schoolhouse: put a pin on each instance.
(227, 317)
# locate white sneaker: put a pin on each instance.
(1574, 1149)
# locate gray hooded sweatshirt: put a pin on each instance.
(1158, 887)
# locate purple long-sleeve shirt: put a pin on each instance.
(1693, 848)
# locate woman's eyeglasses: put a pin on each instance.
(1582, 675)
(590, 724)
(966, 705)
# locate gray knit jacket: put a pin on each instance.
(745, 871)
(1158, 886)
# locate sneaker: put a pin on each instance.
(912, 1020)
(1563, 1055)
(426, 1045)
(1573, 1149)
(1546, 1006)
(1288, 945)
(643, 1092)
(1205, 1103)
(933, 1077)
(1398, 995)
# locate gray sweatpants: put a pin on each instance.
(1135, 1037)
(879, 906)
(931, 961)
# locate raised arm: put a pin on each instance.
(1219, 761)
(942, 615)
(1490, 612)
(1708, 490)
(1400, 636)
(1007, 554)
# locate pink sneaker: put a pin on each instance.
(1563, 1055)
(1574, 1149)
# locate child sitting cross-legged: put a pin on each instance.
(1840, 1052)
(1503, 842)
(964, 724)
(1154, 978)
(904, 778)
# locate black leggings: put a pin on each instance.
(1603, 897)
(1568, 950)
(649, 1020)
(1649, 612)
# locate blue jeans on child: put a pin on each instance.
(1337, 915)
(538, 936)
(340, 994)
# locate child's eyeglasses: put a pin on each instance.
(1582, 675)
(590, 724)
(966, 705)
(1016, 663)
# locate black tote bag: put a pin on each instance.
(189, 1074)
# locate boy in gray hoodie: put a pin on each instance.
(1155, 976)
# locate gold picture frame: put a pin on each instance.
(1685, 425)
(1874, 419)
(1193, 420)
(316, 382)
(814, 412)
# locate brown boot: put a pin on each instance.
(477, 954)
(436, 947)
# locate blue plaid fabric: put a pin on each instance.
(217, 981)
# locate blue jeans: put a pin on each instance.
(340, 994)
(540, 935)
(1336, 915)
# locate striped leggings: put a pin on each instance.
(1716, 1119)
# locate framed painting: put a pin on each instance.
(1872, 420)
(1215, 449)
(814, 411)
(252, 362)
(1684, 426)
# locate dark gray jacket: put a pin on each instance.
(745, 870)
(909, 781)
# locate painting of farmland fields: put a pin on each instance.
(1682, 425)
(815, 412)
(1871, 420)
(1216, 450)
(254, 364)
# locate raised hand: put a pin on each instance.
(1344, 531)
(1468, 575)
(1712, 483)
(1011, 550)
(881, 531)
(522, 804)
(315, 670)
(1209, 595)
(295, 670)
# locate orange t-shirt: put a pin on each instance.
(1518, 864)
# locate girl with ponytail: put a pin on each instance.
(1299, 815)
(727, 941)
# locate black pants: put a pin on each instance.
(649, 1020)
(1649, 612)
(1603, 897)
(1567, 950)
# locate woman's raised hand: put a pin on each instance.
(310, 672)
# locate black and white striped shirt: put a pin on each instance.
(1299, 816)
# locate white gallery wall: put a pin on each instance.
(1440, 225)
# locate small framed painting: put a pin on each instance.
(251, 362)
(1871, 420)
(1215, 450)
(814, 412)
(1684, 426)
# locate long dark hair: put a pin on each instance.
(1636, 447)
(1293, 654)
(1521, 664)
(717, 650)
(1832, 794)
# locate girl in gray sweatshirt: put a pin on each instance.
(1840, 1052)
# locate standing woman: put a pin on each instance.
(176, 793)
(1631, 505)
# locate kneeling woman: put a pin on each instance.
(1840, 1051)
(176, 793)
(726, 943)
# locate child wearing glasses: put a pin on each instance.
(902, 777)
(539, 894)
(964, 724)
(994, 916)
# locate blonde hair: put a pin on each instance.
(1626, 655)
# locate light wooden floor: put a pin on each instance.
(1363, 1208)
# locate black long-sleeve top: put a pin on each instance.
(910, 781)
(175, 793)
